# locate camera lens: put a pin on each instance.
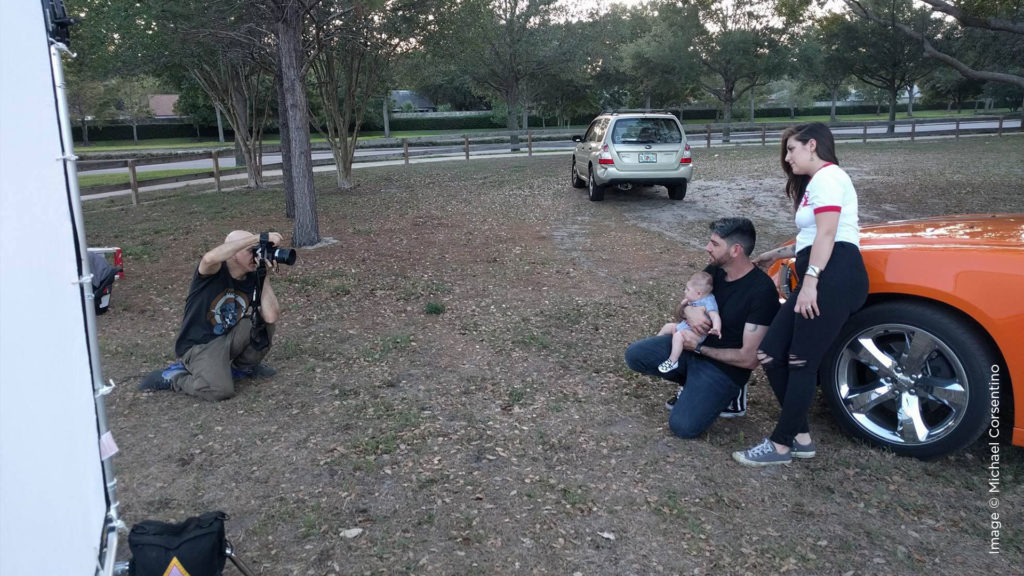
(284, 256)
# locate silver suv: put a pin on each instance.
(628, 149)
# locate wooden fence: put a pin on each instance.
(526, 141)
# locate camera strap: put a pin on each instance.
(258, 337)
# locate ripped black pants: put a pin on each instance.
(796, 345)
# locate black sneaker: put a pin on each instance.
(737, 407)
(671, 402)
(162, 379)
(252, 372)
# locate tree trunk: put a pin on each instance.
(910, 101)
(299, 163)
(727, 118)
(220, 124)
(387, 114)
(286, 148)
(85, 132)
(511, 121)
(135, 133)
(835, 96)
(892, 112)
(751, 105)
(526, 116)
(239, 155)
(344, 172)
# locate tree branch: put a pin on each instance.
(931, 52)
(974, 21)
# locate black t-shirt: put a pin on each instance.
(214, 306)
(751, 299)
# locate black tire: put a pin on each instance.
(948, 385)
(574, 176)
(677, 191)
(596, 192)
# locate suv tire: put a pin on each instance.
(596, 192)
(577, 182)
(677, 191)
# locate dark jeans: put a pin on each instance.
(706, 389)
(842, 290)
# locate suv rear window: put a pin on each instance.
(646, 131)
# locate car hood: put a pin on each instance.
(969, 230)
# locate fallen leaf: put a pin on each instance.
(607, 535)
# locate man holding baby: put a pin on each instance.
(713, 370)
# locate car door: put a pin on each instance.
(584, 148)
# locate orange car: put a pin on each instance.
(935, 358)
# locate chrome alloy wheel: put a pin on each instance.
(901, 384)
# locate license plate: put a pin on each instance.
(648, 157)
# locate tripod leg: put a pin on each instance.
(229, 551)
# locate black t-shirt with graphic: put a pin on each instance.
(751, 299)
(214, 306)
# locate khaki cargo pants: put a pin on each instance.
(209, 365)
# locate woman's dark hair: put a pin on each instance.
(796, 184)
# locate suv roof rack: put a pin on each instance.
(638, 111)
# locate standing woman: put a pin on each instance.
(833, 285)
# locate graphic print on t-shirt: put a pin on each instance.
(227, 309)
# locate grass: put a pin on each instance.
(900, 115)
(434, 308)
(86, 180)
(509, 433)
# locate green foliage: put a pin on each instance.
(435, 308)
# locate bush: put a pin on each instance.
(146, 132)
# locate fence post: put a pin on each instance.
(913, 129)
(1000, 126)
(405, 150)
(216, 169)
(134, 179)
(957, 128)
(529, 143)
(864, 137)
(466, 138)
(764, 134)
(709, 135)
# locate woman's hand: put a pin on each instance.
(807, 300)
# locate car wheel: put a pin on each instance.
(911, 377)
(577, 182)
(677, 191)
(596, 192)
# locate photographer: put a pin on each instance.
(228, 323)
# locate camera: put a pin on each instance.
(266, 251)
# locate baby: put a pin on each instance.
(697, 294)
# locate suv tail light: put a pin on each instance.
(686, 159)
(605, 157)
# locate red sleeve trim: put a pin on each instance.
(828, 209)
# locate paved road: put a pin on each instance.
(696, 139)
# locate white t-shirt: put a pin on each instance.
(830, 190)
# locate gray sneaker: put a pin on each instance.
(798, 450)
(763, 454)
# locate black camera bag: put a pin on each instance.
(197, 545)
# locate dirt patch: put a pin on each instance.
(505, 435)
